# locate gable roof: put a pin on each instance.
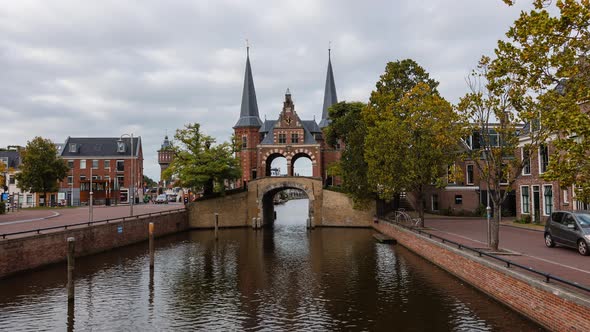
(100, 147)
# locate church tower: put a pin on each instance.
(331, 154)
(330, 97)
(165, 156)
(246, 130)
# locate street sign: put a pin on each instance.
(120, 229)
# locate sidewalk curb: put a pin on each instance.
(525, 228)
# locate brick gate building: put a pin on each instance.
(289, 136)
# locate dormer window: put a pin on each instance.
(120, 146)
(72, 147)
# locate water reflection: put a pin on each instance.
(282, 278)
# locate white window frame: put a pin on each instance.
(522, 200)
(117, 165)
(72, 147)
(565, 192)
(451, 173)
(105, 162)
(545, 200)
(82, 163)
(522, 159)
(541, 159)
(505, 177)
(94, 160)
(467, 174)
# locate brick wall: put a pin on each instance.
(35, 251)
(337, 210)
(550, 306)
(232, 210)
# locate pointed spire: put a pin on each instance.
(330, 97)
(249, 112)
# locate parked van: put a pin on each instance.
(570, 229)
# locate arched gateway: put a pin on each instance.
(261, 192)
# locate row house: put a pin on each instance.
(536, 197)
(11, 159)
(111, 166)
(465, 192)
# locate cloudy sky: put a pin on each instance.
(104, 68)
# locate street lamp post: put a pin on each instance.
(90, 206)
(131, 186)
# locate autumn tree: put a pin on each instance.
(347, 126)
(41, 168)
(548, 56)
(412, 133)
(497, 110)
(199, 163)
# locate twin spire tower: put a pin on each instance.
(288, 136)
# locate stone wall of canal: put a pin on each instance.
(552, 307)
(26, 253)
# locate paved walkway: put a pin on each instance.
(33, 219)
(527, 245)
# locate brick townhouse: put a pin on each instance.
(111, 165)
(536, 197)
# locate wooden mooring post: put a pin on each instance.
(151, 240)
(71, 266)
(216, 224)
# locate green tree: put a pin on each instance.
(41, 168)
(198, 163)
(414, 135)
(348, 127)
(149, 183)
(496, 130)
(399, 78)
(547, 57)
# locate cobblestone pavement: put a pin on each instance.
(528, 245)
(32, 219)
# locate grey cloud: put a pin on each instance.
(103, 68)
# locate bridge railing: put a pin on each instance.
(91, 223)
(508, 263)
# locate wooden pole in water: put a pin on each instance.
(216, 224)
(254, 223)
(71, 266)
(151, 237)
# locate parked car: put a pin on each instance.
(162, 199)
(570, 229)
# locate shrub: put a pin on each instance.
(2, 208)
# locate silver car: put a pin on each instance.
(570, 229)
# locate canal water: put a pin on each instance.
(276, 279)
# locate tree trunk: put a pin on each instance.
(495, 228)
(420, 200)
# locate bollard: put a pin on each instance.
(258, 223)
(308, 223)
(216, 224)
(151, 237)
(311, 224)
(254, 223)
(71, 249)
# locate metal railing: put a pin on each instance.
(548, 277)
(90, 223)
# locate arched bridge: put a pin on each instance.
(261, 192)
(326, 208)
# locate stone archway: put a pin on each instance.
(269, 158)
(261, 192)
